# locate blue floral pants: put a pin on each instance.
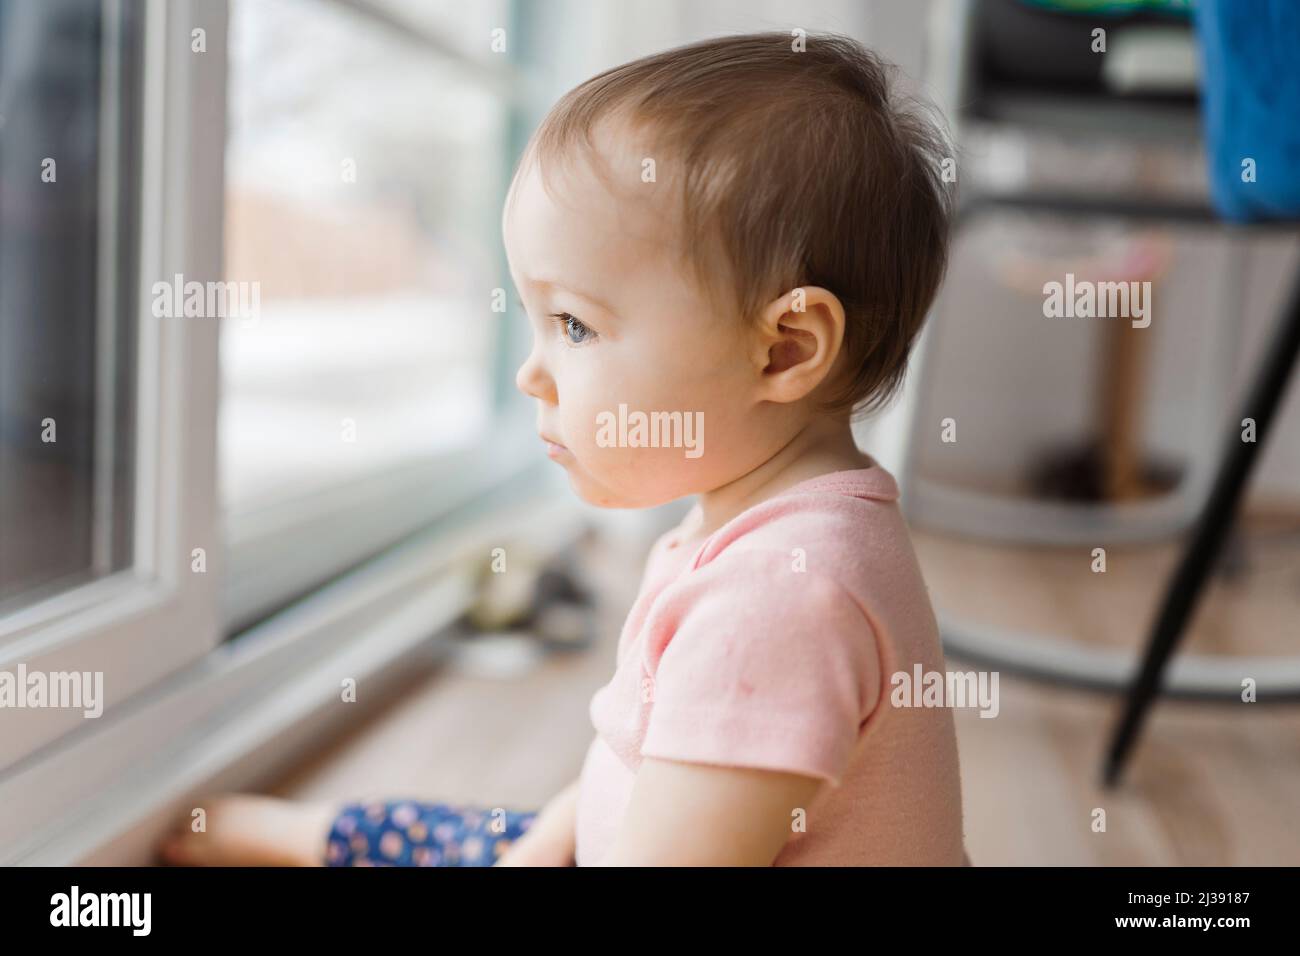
(411, 833)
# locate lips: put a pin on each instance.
(553, 448)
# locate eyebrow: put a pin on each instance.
(548, 284)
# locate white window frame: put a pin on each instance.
(141, 624)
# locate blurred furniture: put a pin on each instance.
(1111, 467)
(1009, 65)
(1004, 66)
(1252, 117)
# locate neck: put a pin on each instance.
(816, 449)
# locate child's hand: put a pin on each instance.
(551, 838)
(537, 848)
(245, 829)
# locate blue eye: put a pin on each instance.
(574, 330)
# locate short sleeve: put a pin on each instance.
(764, 666)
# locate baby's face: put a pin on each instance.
(633, 330)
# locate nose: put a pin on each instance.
(534, 380)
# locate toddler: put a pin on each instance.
(728, 249)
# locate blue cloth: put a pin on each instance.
(410, 833)
(1251, 105)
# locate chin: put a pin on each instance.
(602, 496)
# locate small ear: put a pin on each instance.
(800, 336)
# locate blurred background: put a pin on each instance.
(235, 518)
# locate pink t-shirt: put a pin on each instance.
(771, 645)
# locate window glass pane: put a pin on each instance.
(365, 174)
(68, 142)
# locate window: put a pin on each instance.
(337, 168)
(67, 359)
(368, 155)
(107, 414)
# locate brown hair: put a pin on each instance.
(801, 168)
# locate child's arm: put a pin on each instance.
(549, 841)
(692, 814)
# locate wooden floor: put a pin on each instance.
(1210, 784)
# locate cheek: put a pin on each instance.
(637, 379)
(694, 382)
(588, 388)
(710, 406)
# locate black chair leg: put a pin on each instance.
(1212, 526)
